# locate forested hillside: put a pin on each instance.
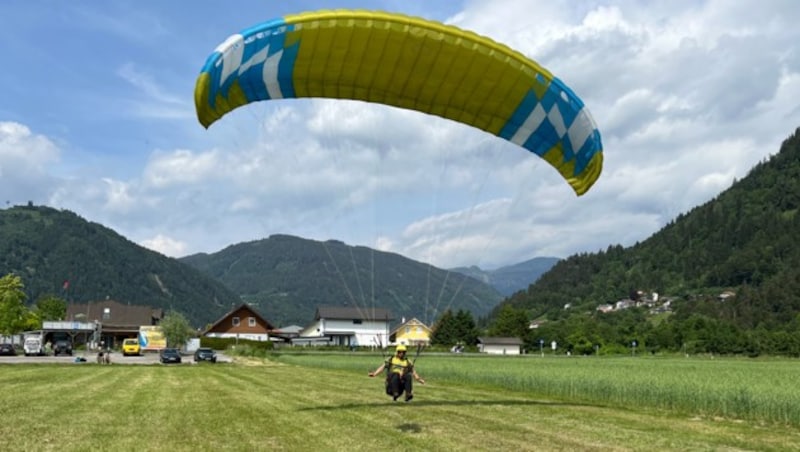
(59, 253)
(287, 277)
(745, 241)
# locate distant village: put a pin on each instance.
(653, 301)
(108, 323)
(657, 304)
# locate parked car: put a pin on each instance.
(169, 355)
(62, 346)
(205, 354)
(131, 346)
(7, 350)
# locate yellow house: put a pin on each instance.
(412, 332)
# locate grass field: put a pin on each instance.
(747, 389)
(288, 403)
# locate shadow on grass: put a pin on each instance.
(435, 403)
(410, 428)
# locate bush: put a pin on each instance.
(225, 343)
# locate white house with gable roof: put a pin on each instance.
(347, 326)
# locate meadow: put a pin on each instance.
(758, 390)
(327, 402)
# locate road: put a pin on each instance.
(116, 358)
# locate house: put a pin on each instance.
(605, 307)
(116, 321)
(499, 345)
(534, 324)
(243, 322)
(624, 304)
(288, 332)
(286, 335)
(412, 332)
(347, 326)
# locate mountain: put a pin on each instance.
(47, 247)
(287, 277)
(730, 268)
(511, 278)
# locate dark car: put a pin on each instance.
(169, 355)
(62, 347)
(205, 354)
(7, 350)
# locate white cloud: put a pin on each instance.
(118, 196)
(20, 145)
(151, 100)
(146, 84)
(124, 20)
(182, 167)
(689, 95)
(25, 159)
(165, 245)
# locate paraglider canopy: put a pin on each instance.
(410, 63)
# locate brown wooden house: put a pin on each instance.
(242, 322)
(116, 320)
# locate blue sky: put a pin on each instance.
(97, 117)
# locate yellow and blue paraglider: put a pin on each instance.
(411, 63)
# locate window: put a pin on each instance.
(236, 321)
(251, 321)
(408, 329)
(357, 322)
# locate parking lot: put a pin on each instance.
(116, 358)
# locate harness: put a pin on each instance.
(393, 365)
(398, 366)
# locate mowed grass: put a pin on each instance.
(269, 405)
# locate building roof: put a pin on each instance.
(111, 312)
(413, 321)
(500, 340)
(351, 313)
(290, 329)
(241, 306)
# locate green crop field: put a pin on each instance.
(756, 390)
(327, 402)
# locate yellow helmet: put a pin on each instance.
(400, 348)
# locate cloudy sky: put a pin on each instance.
(97, 117)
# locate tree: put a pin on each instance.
(444, 330)
(176, 329)
(13, 312)
(50, 307)
(466, 331)
(455, 329)
(510, 322)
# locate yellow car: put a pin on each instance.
(131, 347)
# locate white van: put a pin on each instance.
(33, 344)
